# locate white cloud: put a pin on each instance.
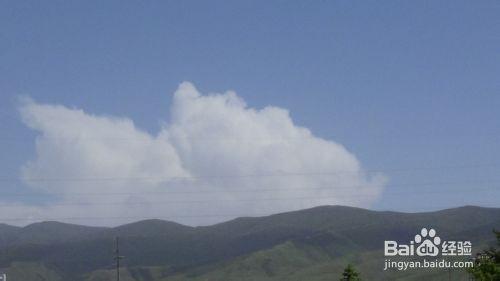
(216, 156)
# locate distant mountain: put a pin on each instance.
(7, 233)
(53, 232)
(44, 233)
(147, 228)
(311, 244)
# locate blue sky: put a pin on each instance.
(410, 88)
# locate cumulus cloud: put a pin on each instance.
(215, 158)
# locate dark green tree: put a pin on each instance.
(487, 264)
(350, 274)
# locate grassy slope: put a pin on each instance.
(292, 262)
(313, 244)
(289, 261)
(31, 271)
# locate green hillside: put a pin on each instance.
(312, 244)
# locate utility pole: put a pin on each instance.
(117, 258)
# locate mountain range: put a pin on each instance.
(311, 245)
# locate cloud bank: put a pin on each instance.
(215, 159)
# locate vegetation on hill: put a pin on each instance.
(350, 274)
(488, 263)
(313, 244)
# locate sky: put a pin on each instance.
(202, 111)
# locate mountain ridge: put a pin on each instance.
(465, 207)
(330, 232)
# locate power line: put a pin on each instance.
(413, 193)
(244, 190)
(275, 174)
(149, 137)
